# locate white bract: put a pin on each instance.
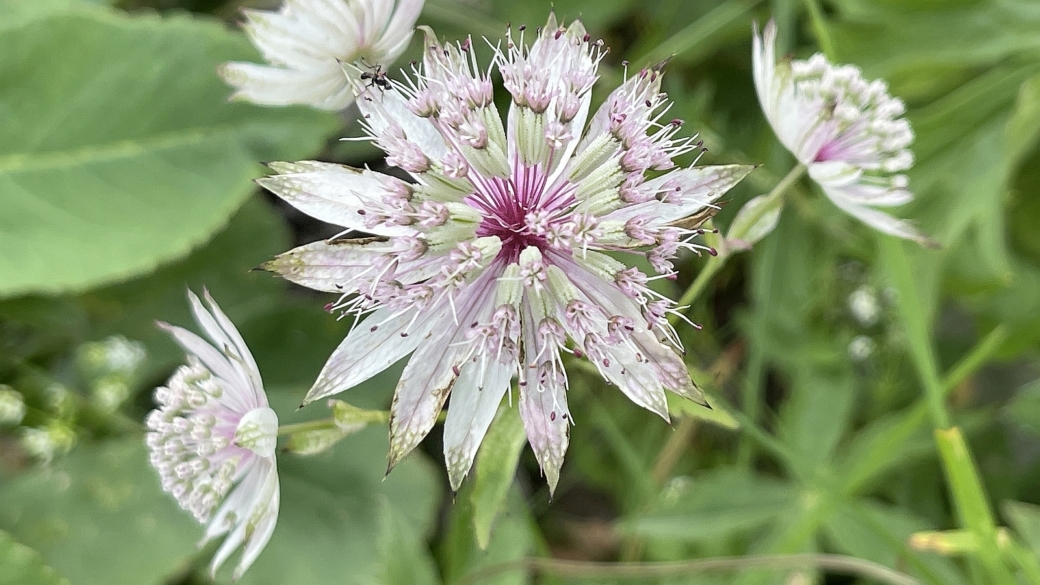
(495, 259)
(306, 43)
(212, 438)
(848, 132)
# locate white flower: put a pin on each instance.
(849, 132)
(12, 406)
(493, 261)
(212, 439)
(306, 43)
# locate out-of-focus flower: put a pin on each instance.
(493, 261)
(307, 42)
(212, 439)
(861, 347)
(12, 406)
(60, 400)
(864, 306)
(48, 442)
(848, 132)
(113, 355)
(109, 393)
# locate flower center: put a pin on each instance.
(522, 210)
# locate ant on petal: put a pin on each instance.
(376, 76)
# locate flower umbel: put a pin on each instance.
(212, 439)
(494, 260)
(847, 131)
(306, 41)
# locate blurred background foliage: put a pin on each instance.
(125, 177)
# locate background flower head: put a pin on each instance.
(307, 40)
(497, 258)
(212, 439)
(848, 131)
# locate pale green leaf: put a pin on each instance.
(119, 149)
(101, 502)
(495, 469)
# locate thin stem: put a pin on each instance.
(311, 425)
(823, 36)
(975, 358)
(594, 570)
(715, 263)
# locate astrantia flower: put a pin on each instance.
(306, 42)
(213, 438)
(848, 132)
(495, 259)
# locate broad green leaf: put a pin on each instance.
(713, 505)
(120, 149)
(816, 416)
(22, 565)
(495, 469)
(253, 300)
(101, 502)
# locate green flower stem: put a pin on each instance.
(641, 571)
(311, 425)
(330, 423)
(715, 263)
(823, 35)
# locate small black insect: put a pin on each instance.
(376, 76)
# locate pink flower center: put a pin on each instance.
(523, 210)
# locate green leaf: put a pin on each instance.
(903, 38)
(101, 502)
(23, 566)
(405, 557)
(879, 533)
(253, 300)
(1025, 519)
(495, 470)
(713, 505)
(515, 537)
(816, 416)
(1024, 408)
(124, 151)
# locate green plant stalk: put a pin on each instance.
(966, 490)
(311, 425)
(715, 263)
(823, 36)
